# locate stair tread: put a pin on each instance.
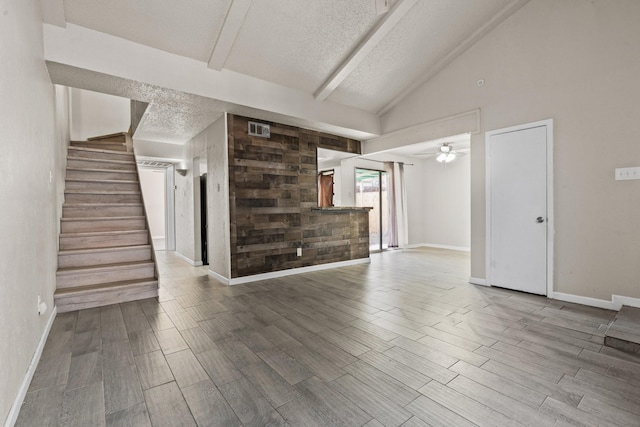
(101, 218)
(625, 326)
(97, 205)
(72, 168)
(100, 250)
(92, 159)
(99, 150)
(109, 181)
(103, 267)
(78, 290)
(102, 233)
(72, 191)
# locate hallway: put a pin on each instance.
(404, 340)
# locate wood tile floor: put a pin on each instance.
(402, 341)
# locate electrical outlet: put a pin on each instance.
(299, 251)
(627, 173)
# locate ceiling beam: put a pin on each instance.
(359, 53)
(230, 28)
(485, 29)
(53, 12)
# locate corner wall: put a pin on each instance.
(96, 114)
(575, 62)
(34, 129)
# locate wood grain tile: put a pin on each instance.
(208, 406)
(369, 400)
(185, 368)
(153, 369)
(167, 406)
(250, 405)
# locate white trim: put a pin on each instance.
(188, 260)
(622, 300)
(219, 277)
(288, 272)
(477, 281)
(550, 210)
(453, 248)
(593, 302)
(24, 387)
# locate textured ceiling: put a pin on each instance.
(299, 43)
(344, 51)
(185, 28)
(427, 33)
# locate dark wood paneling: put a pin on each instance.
(272, 188)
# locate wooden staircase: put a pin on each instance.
(105, 254)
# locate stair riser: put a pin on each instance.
(77, 163)
(102, 186)
(87, 242)
(114, 146)
(102, 198)
(85, 279)
(102, 225)
(98, 155)
(115, 175)
(92, 212)
(101, 258)
(71, 303)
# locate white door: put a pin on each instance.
(518, 217)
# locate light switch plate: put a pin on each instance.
(627, 173)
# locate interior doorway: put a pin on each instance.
(200, 166)
(203, 220)
(153, 184)
(371, 191)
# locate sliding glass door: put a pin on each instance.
(371, 191)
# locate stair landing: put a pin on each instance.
(624, 331)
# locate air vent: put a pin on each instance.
(259, 129)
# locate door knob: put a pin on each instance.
(539, 219)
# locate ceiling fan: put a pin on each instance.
(445, 153)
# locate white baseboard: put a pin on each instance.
(188, 260)
(622, 300)
(218, 277)
(477, 281)
(24, 387)
(289, 272)
(433, 245)
(593, 302)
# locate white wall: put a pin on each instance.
(153, 183)
(34, 134)
(144, 148)
(210, 144)
(95, 114)
(576, 62)
(218, 198)
(447, 203)
(185, 211)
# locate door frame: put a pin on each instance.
(380, 172)
(550, 209)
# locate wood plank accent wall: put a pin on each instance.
(272, 188)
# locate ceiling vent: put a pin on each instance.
(259, 129)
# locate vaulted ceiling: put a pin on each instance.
(357, 58)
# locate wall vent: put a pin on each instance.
(259, 129)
